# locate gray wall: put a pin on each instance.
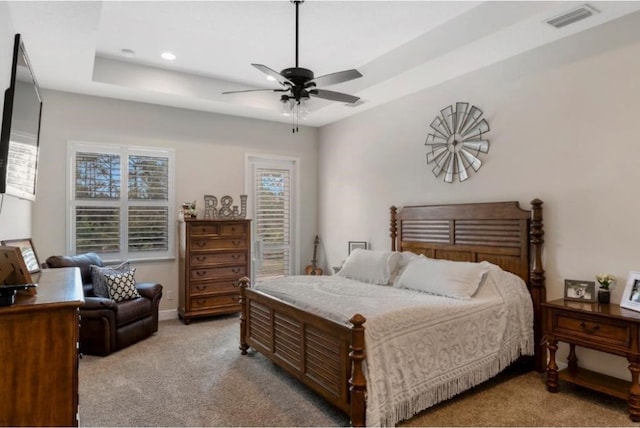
(210, 152)
(563, 129)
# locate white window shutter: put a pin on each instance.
(273, 221)
(122, 201)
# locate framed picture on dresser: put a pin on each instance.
(631, 294)
(28, 252)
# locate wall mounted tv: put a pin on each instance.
(20, 136)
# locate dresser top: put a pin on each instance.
(56, 287)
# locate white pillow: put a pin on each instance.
(406, 257)
(373, 266)
(458, 280)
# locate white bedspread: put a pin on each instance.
(421, 349)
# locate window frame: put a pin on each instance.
(123, 203)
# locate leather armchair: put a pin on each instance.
(107, 326)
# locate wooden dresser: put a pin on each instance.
(39, 353)
(214, 255)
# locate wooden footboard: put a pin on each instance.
(324, 355)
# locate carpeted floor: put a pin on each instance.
(195, 376)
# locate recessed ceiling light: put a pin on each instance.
(127, 52)
(168, 56)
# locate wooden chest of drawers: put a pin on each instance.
(214, 255)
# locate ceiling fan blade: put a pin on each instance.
(270, 72)
(253, 90)
(334, 78)
(333, 96)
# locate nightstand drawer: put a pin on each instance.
(606, 329)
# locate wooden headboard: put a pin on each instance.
(501, 233)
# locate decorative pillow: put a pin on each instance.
(458, 280)
(122, 286)
(371, 266)
(98, 280)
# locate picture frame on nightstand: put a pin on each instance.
(631, 294)
(579, 291)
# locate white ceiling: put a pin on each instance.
(399, 46)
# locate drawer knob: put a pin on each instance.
(588, 329)
(236, 243)
(201, 272)
(200, 301)
(235, 256)
(201, 258)
(236, 270)
(201, 244)
(201, 287)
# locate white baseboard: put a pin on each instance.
(168, 314)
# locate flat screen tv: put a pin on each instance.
(20, 137)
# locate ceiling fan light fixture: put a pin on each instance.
(286, 105)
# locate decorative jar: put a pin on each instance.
(604, 296)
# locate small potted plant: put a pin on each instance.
(604, 293)
(189, 209)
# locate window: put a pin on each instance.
(273, 199)
(121, 201)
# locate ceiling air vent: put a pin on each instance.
(574, 15)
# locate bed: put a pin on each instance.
(329, 355)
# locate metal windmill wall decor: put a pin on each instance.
(457, 141)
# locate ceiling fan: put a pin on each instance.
(299, 84)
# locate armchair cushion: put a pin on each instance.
(99, 280)
(122, 286)
(132, 310)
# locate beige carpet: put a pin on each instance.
(195, 376)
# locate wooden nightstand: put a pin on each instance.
(607, 328)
